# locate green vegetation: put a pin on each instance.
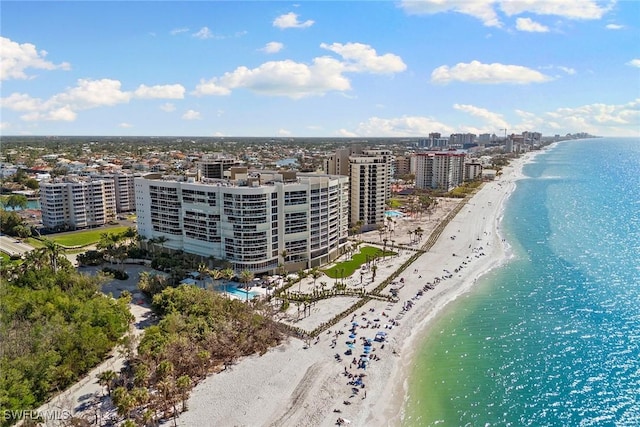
(55, 326)
(464, 189)
(84, 238)
(13, 225)
(347, 268)
(199, 332)
(394, 203)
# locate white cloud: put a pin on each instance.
(281, 78)
(284, 132)
(272, 47)
(496, 73)
(176, 31)
(609, 119)
(21, 102)
(87, 94)
(290, 20)
(399, 127)
(634, 63)
(175, 91)
(481, 9)
(493, 120)
(125, 125)
(614, 27)
(5, 125)
(363, 58)
(486, 10)
(568, 70)
(298, 80)
(15, 58)
(93, 93)
(62, 114)
(597, 119)
(168, 107)
(191, 115)
(571, 9)
(203, 33)
(528, 25)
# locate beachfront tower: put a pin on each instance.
(256, 220)
(370, 178)
(439, 170)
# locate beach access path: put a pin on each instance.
(292, 385)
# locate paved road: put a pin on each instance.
(10, 245)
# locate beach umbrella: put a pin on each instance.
(352, 336)
(355, 323)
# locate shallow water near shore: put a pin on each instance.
(551, 338)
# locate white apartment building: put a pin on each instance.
(74, 203)
(124, 190)
(439, 170)
(255, 220)
(370, 181)
(215, 165)
(472, 170)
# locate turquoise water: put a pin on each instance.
(393, 213)
(553, 337)
(233, 289)
(31, 204)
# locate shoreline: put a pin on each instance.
(291, 385)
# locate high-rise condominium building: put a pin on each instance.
(74, 203)
(439, 170)
(255, 220)
(370, 187)
(124, 190)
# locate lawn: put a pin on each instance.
(84, 238)
(357, 260)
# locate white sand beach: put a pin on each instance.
(295, 386)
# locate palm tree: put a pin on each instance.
(106, 379)
(301, 275)
(384, 248)
(246, 277)
(214, 274)
(227, 274)
(161, 240)
(418, 231)
(54, 250)
(184, 383)
(381, 230)
(202, 271)
(315, 273)
(410, 232)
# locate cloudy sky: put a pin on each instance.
(325, 69)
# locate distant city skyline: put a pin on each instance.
(320, 69)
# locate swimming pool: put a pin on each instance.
(394, 213)
(234, 289)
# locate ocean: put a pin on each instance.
(552, 338)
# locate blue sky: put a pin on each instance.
(320, 69)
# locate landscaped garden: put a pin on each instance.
(348, 267)
(84, 238)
